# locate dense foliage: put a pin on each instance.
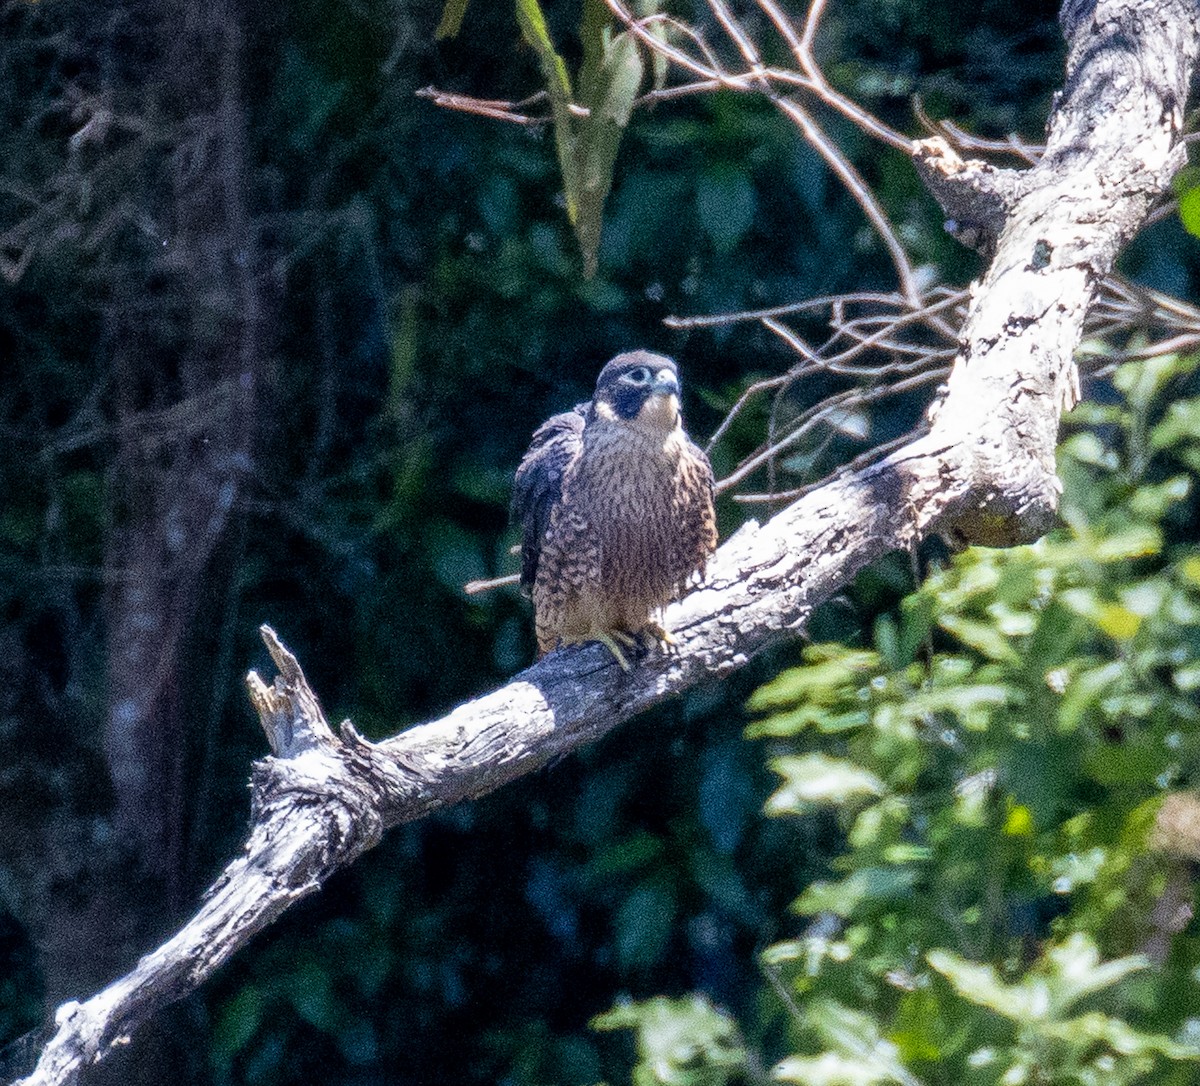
(1014, 900)
(273, 335)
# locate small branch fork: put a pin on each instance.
(982, 472)
(872, 343)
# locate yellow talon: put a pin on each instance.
(609, 641)
(659, 633)
(621, 642)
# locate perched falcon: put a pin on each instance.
(615, 503)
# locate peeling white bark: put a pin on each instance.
(984, 473)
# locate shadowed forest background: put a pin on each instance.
(274, 333)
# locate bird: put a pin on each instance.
(615, 506)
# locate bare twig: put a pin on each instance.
(752, 391)
(802, 50)
(828, 408)
(966, 141)
(878, 452)
(495, 108)
(825, 301)
(758, 79)
(472, 588)
(858, 188)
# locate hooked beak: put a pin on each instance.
(661, 409)
(665, 384)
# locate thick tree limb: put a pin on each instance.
(984, 473)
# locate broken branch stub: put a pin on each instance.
(288, 710)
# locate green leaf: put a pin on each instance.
(638, 851)
(657, 30)
(979, 984)
(1066, 974)
(925, 1030)
(1153, 501)
(451, 21)
(1180, 423)
(595, 33)
(643, 926)
(793, 723)
(1189, 568)
(816, 780)
(726, 203)
(1076, 970)
(1187, 177)
(1125, 765)
(855, 1040)
(827, 671)
(533, 28)
(1136, 541)
(238, 1022)
(558, 86)
(1120, 623)
(1086, 690)
(1189, 210)
(587, 130)
(1121, 1037)
(972, 703)
(1087, 448)
(608, 92)
(916, 623)
(867, 886)
(310, 989)
(680, 1042)
(830, 1069)
(981, 636)
(1141, 381)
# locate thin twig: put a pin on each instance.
(876, 452)
(802, 50)
(888, 298)
(858, 188)
(472, 588)
(743, 399)
(731, 27)
(496, 108)
(812, 418)
(966, 141)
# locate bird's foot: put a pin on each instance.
(616, 641)
(660, 634)
(626, 646)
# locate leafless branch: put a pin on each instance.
(472, 588)
(760, 79)
(965, 141)
(495, 108)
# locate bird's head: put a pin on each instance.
(640, 388)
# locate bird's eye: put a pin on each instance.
(639, 376)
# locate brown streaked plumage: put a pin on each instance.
(615, 504)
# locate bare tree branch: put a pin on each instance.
(759, 79)
(983, 473)
(495, 108)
